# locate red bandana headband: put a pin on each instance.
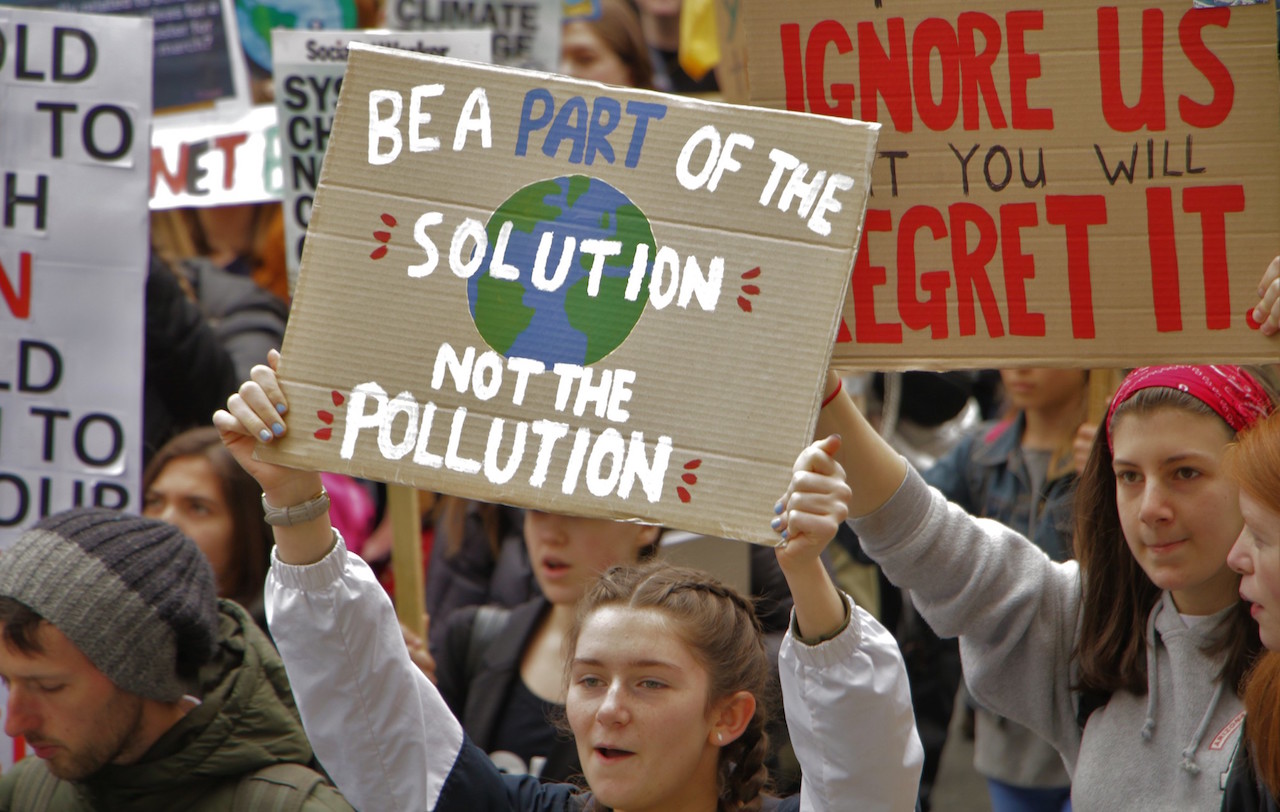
(1230, 391)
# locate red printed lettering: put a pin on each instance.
(1149, 111)
(1216, 110)
(866, 278)
(1213, 203)
(971, 267)
(884, 75)
(932, 312)
(1076, 213)
(18, 301)
(975, 68)
(1018, 268)
(1023, 67)
(1164, 260)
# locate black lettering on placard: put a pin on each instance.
(68, 44)
(115, 439)
(13, 198)
(60, 51)
(27, 362)
(16, 489)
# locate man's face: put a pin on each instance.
(71, 715)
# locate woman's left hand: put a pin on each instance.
(814, 506)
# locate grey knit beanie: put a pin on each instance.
(134, 594)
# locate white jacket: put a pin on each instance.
(386, 737)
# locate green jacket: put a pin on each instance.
(246, 721)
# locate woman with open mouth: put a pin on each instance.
(665, 677)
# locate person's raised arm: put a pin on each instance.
(256, 413)
(845, 689)
(375, 722)
(873, 469)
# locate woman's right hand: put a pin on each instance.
(256, 413)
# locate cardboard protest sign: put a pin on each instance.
(533, 290)
(1078, 184)
(196, 48)
(308, 75)
(526, 33)
(216, 163)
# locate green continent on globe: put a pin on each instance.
(558, 321)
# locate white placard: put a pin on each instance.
(526, 33)
(216, 164)
(75, 112)
(307, 69)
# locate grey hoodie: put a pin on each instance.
(1016, 613)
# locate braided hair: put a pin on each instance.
(721, 630)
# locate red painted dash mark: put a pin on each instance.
(689, 479)
(326, 418)
(749, 290)
(383, 237)
(337, 397)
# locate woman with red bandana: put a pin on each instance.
(1128, 659)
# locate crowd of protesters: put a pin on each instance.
(1104, 596)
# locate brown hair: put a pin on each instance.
(618, 27)
(20, 625)
(250, 533)
(720, 627)
(1117, 596)
(1262, 725)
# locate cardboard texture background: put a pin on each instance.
(938, 282)
(731, 379)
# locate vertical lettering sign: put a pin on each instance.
(1079, 184)
(75, 108)
(526, 33)
(528, 289)
(308, 77)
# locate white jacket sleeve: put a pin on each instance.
(848, 707)
(377, 724)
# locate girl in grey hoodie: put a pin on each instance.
(1128, 659)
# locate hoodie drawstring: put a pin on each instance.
(1148, 727)
(1189, 752)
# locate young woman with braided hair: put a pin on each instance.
(665, 670)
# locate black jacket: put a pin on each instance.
(478, 700)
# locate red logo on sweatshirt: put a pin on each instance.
(1224, 735)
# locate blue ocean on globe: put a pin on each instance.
(565, 325)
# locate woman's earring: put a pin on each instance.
(719, 738)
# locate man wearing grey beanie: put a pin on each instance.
(134, 685)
